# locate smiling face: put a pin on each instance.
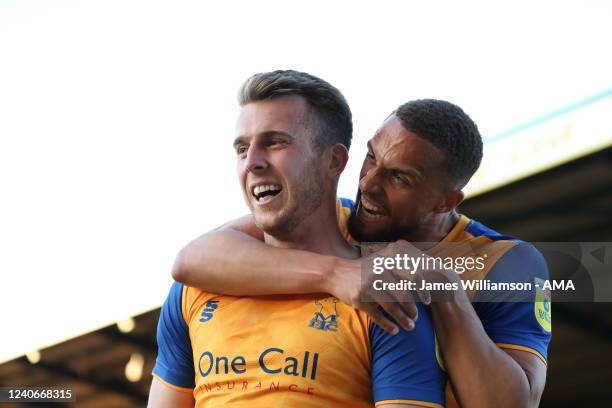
(277, 165)
(401, 185)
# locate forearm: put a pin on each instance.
(482, 375)
(231, 262)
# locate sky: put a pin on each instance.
(117, 117)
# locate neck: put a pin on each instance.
(319, 233)
(435, 228)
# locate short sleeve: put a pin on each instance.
(174, 364)
(405, 368)
(518, 319)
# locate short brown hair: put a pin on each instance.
(335, 124)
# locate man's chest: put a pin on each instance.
(264, 345)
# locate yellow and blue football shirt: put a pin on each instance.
(513, 321)
(299, 350)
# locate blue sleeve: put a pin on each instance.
(347, 203)
(404, 366)
(174, 362)
(518, 318)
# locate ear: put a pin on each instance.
(338, 157)
(450, 200)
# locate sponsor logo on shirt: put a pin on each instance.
(282, 371)
(271, 361)
(208, 310)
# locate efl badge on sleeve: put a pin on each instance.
(543, 311)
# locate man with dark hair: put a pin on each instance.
(410, 186)
(455, 157)
(447, 127)
(300, 350)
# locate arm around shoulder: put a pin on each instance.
(234, 260)
(206, 255)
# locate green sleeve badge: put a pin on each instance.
(543, 311)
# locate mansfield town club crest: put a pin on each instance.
(326, 317)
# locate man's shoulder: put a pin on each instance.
(345, 202)
(509, 245)
(508, 256)
(484, 241)
(474, 229)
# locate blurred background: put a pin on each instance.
(116, 122)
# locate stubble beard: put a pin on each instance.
(391, 234)
(305, 199)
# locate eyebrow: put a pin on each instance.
(414, 173)
(267, 134)
(238, 141)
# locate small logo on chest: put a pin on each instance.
(208, 310)
(326, 317)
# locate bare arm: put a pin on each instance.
(482, 374)
(161, 396)
(234, 260)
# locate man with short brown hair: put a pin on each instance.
(300, 350)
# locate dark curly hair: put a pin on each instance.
(335, 123)
(450, 129)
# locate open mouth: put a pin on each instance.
(266, 192)
(371, 209)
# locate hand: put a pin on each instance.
(353, 282)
